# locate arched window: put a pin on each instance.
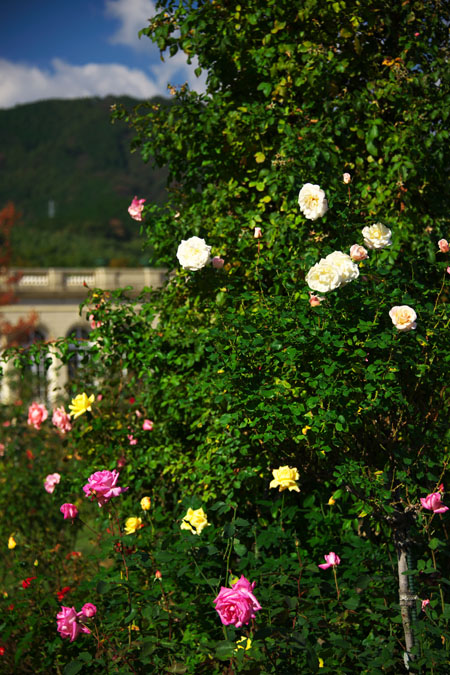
(79, 337)
(33, 385)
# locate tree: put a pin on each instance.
(13, 334)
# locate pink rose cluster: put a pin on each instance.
(237, 605)
(37, 413)
(61, 420)
(102, 486)
(70, 623)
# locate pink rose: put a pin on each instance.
(2, 449)
(237, 605)
(433, 503)
(147, 425)
(93, 323)
(136, 207)
(424, 604)
(51, 481)
(331, 561)
(358, 253)
(37, 413)
(89, 610)
(257, 233)
(346, 178)
(217, 262)
(443, 246)
(68, 623)
(315, 300)
(61, 420)
(102, 485)
(132, 440)
(69, 511)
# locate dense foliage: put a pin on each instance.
(68, 155)
(242, 371)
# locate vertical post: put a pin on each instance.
(407, 600)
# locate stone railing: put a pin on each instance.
(59, 282)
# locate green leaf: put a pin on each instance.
(225, 650)
(73, 667)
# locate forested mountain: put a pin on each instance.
(69, 171)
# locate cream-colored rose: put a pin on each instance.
(377, 236)
(194, 521)
(323, 277)
(284, 477)
(312, 202)
(193, 254)
(347, 268)
(403, 317)
(358, 253)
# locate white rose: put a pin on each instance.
(347, 268)
(323, 277)
(193, 254)
(403, 317)
(312, 202)
(376, 236)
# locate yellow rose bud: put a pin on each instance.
(284, 477)
(194, 521)
(12, 542)
(331, 501)
(146, 503)
(132, 524)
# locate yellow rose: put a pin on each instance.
(132, 524)
(80, 404)
(12, 542)
(145, 503)
(194, 521)
(284, 478)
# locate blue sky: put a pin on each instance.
(75, 48)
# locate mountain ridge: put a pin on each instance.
(70, 173)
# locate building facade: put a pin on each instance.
(53, 296)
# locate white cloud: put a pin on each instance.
(133, 15)
(22, 83)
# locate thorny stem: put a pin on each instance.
(440, 585)
(439, 294)
(166, 602)
(335, 581)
